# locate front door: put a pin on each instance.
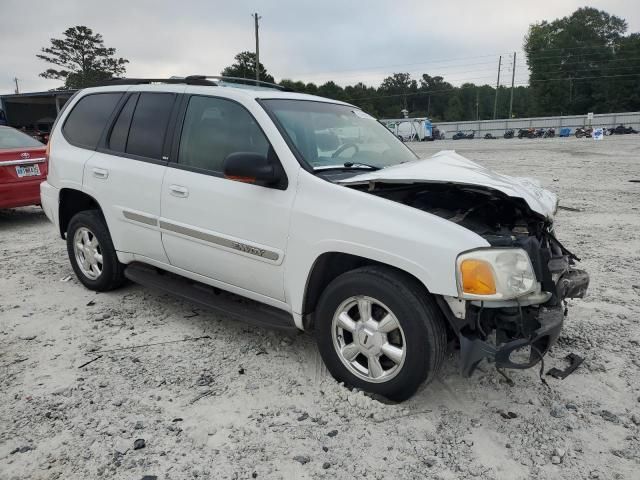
(232, 232)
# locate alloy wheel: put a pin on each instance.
(368, 339)
(88, 253)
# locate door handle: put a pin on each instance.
(178, 191)
(100, 173)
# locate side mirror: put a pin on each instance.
(249, 167)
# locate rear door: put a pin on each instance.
(125, 174)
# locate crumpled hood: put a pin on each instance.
(449, 167)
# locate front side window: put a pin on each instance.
(89, 117)
(214, 128)
(329, 135)
(149, 124)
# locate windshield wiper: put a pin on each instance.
(348, 166)
(360, 165)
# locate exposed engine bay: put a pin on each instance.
(490, 329)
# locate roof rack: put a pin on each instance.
(245, 81)
(216, 80)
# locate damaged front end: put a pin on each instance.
(511, 302)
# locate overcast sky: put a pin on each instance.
(305, 40)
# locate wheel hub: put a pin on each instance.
(369, 339)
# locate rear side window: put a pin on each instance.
(120, 132)
(149, 124)
(89, 117)
(214, 128)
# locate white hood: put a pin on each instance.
(449, 167)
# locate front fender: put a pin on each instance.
(332, 218)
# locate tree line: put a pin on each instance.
(584, 62)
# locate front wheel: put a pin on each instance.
(379, 330)
(91, 252)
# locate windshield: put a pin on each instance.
(328, 135)
(11, 138)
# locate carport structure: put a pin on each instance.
(29, 109)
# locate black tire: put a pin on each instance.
(420, 318)
(112, 275)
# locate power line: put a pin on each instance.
(452, 73)
(604, 61)
(449, 60)
(360, 72)
(594, 45)
(435, 92)
(455, 77)
(462, 77)
(428, 62)
(372, 69)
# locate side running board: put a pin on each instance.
(220, 301)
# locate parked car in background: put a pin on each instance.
(213, 193)
(23, 166)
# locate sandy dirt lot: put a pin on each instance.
(212, 398)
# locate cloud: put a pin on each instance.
(311, 41)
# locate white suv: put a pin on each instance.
(303, 212)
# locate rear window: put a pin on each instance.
(11, 138)
(89, 117)
(149, 124)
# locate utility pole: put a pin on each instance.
(256, 19)
(570, 91)
(15, 79)
(513, 78)
(495, 101)
(477, 104)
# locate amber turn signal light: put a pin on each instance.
(477, 277)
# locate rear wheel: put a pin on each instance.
(91, 252)
(378, 330)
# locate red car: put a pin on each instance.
(23, 166)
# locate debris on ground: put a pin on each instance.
(574, 360)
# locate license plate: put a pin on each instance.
(28, 171)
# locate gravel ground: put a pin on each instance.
(177, 392)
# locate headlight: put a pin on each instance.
(495, 274)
